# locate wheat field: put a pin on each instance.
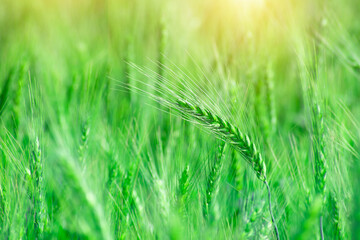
(167, 119)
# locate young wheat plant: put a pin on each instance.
(234, 137)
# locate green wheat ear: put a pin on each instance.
(334, 210)
(319, 156)
(184, 190)
(319, 151)
(233, 136)
(229, 133)
(40, 213)
(213, 183)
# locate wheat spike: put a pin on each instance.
(229, 133)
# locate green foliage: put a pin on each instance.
(148, 119)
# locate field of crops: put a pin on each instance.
(169, 119)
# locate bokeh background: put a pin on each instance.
(86, 152)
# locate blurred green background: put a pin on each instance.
(86, 152)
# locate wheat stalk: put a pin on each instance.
(233, 136)
(319, 156)
(236, 168)
(184, 185)
(213, 182)
(39, 196)
(336, 218)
